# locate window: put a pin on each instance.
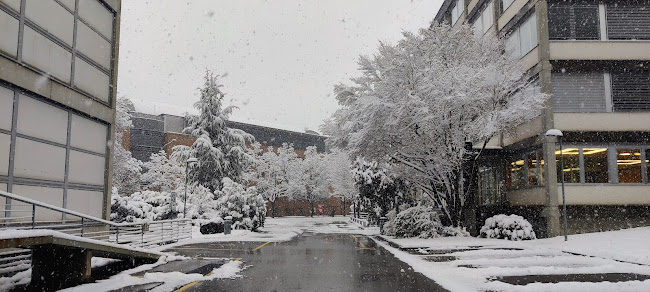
(628, 20)
(489, 185)
(532, 169)
(6, 108)
(46, 55)
(505, 4)
(39, 160)
(596, 165)
(629, 165)
(631, 91)
(573, 20)
(41, 120)
(571, 165)
(523, 39)
(457, 11)
(8, 34)
(51, 17)
(91, 80)
(483, 23)
(578, 92)
(88, 135)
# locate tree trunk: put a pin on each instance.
(311, 204)
(273, 209)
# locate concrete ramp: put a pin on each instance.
(60, 260)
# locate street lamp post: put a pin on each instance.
(557, 133)
(187, 168)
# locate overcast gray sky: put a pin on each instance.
(282, 58)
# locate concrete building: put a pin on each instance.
(152, 133)
(593, 57)
(58, 77)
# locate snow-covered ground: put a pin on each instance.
(473, 264)
(282, 229)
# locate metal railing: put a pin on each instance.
(24, 213)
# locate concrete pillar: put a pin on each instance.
(550, 212)
(54, 268)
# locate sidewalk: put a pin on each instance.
(607, 261)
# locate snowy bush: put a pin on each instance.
(512, 227)
(423, 222)
(141, 206)
(247, 208)
(389, 226)
(201, 203)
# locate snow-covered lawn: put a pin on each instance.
(472, 264)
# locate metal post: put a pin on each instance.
(33, 216)
(187, 166)
(82, 226)
(563, 195)
(117, 234)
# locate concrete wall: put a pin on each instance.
(600, 50)
(626, 121)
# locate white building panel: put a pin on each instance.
(52, 17)
(88, 135)
(45, 55)
(91, 80)
(86, 168)
(39, 160)
(8, 34)
(94, 46)
(41, 120)
(98, 16)
(52, 196)
(5, 143)
(6, 108)
(87, 202)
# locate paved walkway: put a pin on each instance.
(311, 262)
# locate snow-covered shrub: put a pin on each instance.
(141, 206)
(247, 208)
(512, 227)
(423, 222)
(201, 203)
(389, 226)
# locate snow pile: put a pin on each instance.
(171, 280)
(247, 208)
(423, 222)
(511, 227)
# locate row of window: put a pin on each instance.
(74, 51)
(582, 164)
(523, 39)
(50, 143)
(594, 20)
(601, 92)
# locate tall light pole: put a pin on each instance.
(191, 160)
(557, 133)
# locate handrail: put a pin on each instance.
(66, 211)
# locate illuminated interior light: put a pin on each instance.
(589, 151)
(568, 151)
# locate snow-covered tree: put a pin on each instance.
(162, 173)
(247, 208)
(126, 169)
(221, 151)
(275, 173)
(340, 176)
(417, 103)
(313, 178)
(201, 203)
(377, 187)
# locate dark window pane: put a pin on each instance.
(629, 165)
(631, 91)
(573, 20)
(571, 165)
(596, 170)
(628, 20)
(531, 161)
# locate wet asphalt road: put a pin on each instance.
(312, 262)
